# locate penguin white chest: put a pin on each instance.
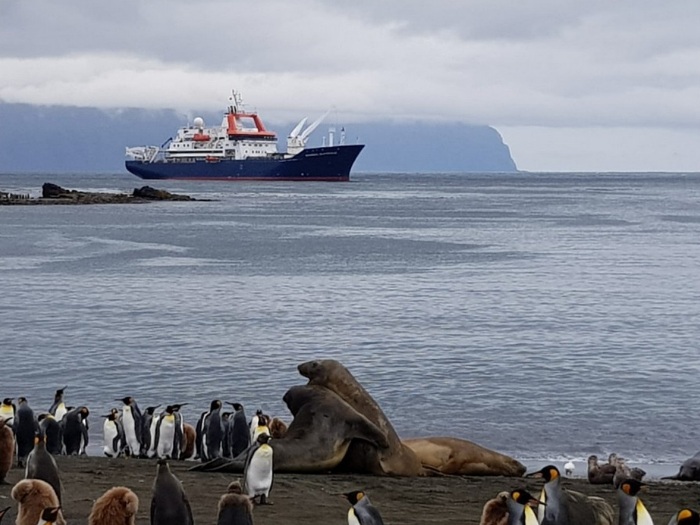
(166, 437)
(259, 474)
(352, 517)
(110, 432)
(130, 431)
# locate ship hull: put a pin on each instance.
(331, 163)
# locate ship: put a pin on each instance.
(242, 148)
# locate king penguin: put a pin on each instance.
(7, 411)
(254, 424)
(25, 427)
(213, 431)
(148, 430)
(165, 433)
(239, 436)
(685, 517)
(234, 507)
(257, 474)
(520, 511)
(58, 409)
(169, 504)
(362, 512)
(566, 507)
(76, 431)
(131, 422)
(632, 510)
(41, 465)
(49, 516)
(53, 432)
(113, 434)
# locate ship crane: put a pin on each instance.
(296, 141)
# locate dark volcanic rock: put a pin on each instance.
(54, 194)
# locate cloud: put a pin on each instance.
(544, 63)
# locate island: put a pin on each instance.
(54, 194)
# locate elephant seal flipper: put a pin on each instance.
(689, 470)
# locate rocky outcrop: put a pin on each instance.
(54, 194)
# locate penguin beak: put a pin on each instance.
(534, 502)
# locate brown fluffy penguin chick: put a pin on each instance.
(117, 506)
(278, 428)
(495, 510)
(7, 449)
(33, 496)
(234, 507)
(189, 439)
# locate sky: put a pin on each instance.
(598, 85)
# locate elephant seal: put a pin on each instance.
(689, 471)
(317, 439)
(448, 455)
(397, 459)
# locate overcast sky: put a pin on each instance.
(598, 85)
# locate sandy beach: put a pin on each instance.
(313, 499)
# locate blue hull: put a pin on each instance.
(332, 163)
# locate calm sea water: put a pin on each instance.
(548, 316)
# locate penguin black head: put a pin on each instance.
(631, 486)
(42, 416)
(258, 412)
(162, 463)
(686, 517)
(84, 412)
(523, 497)
(50, 514)
(39, 437)
(215, 404)
(7, 401)
(226, 416)
(354, 496)
(151, 410)
(21, 400)
(59, 392)
(263, 438)
(548, 473)
(126, 400)
(236, 406)
(178, 406)
(170, 409)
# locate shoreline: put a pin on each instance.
(314, 498)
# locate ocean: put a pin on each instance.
(549, 316)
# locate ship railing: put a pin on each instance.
(144, 153)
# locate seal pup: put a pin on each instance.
(567, 507)
(25, 427)
(235, 508)
(117, 506)
(362, 512)
(7, 410)
(51, 428)
(600, 474)
(7, 450)
(396, 459)
(632, 510)
(131, 422)
(239, 434)
(33, 496)
(49, 516)
(257, 474)
(3, 512)
(454, 456)
(112, 434)
(75, 431)
(685, 517)
(169, 504)
(42, 465)
(58, 409)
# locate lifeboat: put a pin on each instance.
(201, 137)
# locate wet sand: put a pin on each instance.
(313, 499)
